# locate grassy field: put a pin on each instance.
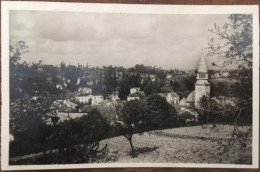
(163, 149)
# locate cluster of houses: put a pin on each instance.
(184, 107)
(86, 96)
(135, 93)
(89, 99)
(223, 74)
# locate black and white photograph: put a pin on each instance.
(91, 85)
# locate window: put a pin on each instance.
(202, 75)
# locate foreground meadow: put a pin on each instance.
(188, 145)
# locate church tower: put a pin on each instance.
(202, 86)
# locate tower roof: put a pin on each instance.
(202, 66)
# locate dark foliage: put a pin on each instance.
(150, 87)
(158, 113)
(77, 140)
(132, 117)
(124, 89)
(27, 127)
(232, 44)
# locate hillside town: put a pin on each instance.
(77, 103)
(71, 97)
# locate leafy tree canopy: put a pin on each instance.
(233, 41)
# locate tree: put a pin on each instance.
(135, 80)
(124, 88)
(131, 115)
(62, 66)
(26, 124)
(171, 83)
(152, 87)
(190, 82)
(110, 81)
(219, 89)
(16, 50)
(140, 68)
(161, 74)
(175, 85)
(233, 41)
(209, 112)
(72, 73)
(158, 112)
(232, 44)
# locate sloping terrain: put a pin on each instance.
(195, 144)
(182, 145)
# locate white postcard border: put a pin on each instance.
(122, 8)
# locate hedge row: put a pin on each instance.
(183, 136)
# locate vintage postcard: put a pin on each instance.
(116, 85)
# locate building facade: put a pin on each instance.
(202, 86)
(90, 99)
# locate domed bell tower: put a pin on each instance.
(202, 86)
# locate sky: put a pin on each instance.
(100, 39)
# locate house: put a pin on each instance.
(90, 83)
(114, 96)
(135, 96)
(129, 98)
(85, 99)
(70, 104)
(90, 99)
(97, 99)
(78, 81)
(49, 80)
(54, 109)
(59, 87)
(35, 98)
(152, 77)
(134, 90)
(189, 100)
(225, 74)
(171, 97)
(62, 106)
(169, 76)
(142, 80)
(216, 75)
(223, 100)
(85, 90)
(40, 69)
(190, 72)
(120, 75)
(189, 115)
(135, 93)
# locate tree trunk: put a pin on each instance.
(132, 147)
